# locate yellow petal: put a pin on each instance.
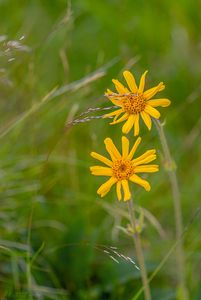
(115, 99)
(125, 146)
(111, 149)
(121, 119)
(109, 92)
(147, 120)
(145, 184)
(152, 111)
(133, 150)
(130, 81)
(105, 187)
(119, 87)
(142, 82)
(101, 158)
(127, 194)
(151, 92)
(114, 113)
(145, 155)
(118, 190)
(101, 171)
(159, 102)
(136, 125)
(145, 160)
(146, 169)
(129, 124)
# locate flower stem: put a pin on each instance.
(170, 168)
(139, 251)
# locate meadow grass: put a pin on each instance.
(56, 61)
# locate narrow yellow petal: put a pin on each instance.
(114, 113)
(152, 111)
(101, 158)
(109, 92)
(121, 119)
(146, 118)
(114, 99)
(146, 169)
(129, 124)
(144, 155)
(105, 187)
(101, 171)
(127, 194)
(159, 102)
(130, 79)
(135, 146)
(136, 179)
(118, 190)
(125, 146)
(111, 149)
(119, 87)
(145, 160)
(136, 125)
(142, 82)
(151, 92)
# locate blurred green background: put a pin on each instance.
(53, 226)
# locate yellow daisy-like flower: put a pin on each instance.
(135, 102)
(122, 167)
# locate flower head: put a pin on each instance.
(135, 102)
(122, 168)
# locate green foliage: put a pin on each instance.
(53, 225)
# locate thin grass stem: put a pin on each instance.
(139, 251)
(170, 168)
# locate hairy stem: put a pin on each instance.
(139, 251)
(170, 167)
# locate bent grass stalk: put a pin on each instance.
(170, 168)
(139, 251)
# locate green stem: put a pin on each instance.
(139, 251)
(170, 167)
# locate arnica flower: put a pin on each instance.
(135, 102)
(122, 168)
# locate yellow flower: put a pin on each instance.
(135, 102)
(121, 168)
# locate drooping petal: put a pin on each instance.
(118, 190)
(125, 146)
(147, 120)
(129, 124)
(134, 148)
(114, 113)
(146, 169)
(136, 179)
(101, 158)
(119, 87)
(151, 92)
(152, 111)
(144, 155)
(121, 119)
(101, 171)
(127, 194)
(136, 125)
(130, 79)
(111, 149)
(142, 82)
(159, 102)
(105, 187)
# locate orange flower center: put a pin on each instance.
(122, 169)
(133, 103)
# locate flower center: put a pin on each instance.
(133, 103)
(122, 169)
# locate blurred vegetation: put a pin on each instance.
(53, 224)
